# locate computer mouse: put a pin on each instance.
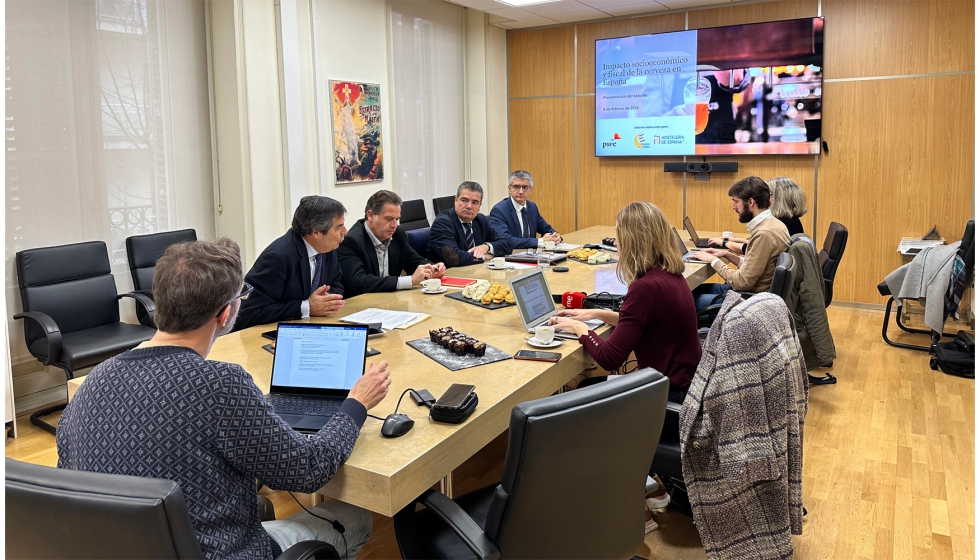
(396, 425)
(561, 269)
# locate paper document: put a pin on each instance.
(388, 319)
(912, 245)
(593, 323)
(566, 247)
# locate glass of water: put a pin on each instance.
(544, 258)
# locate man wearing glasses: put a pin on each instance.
(163, 410)
(461, 235)
(517, 219)
(298, 275)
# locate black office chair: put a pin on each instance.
(71, 311)
(413, 215)
(61, 513)
(573, 481)
(443, 203)
(830, 256)
(783, 279)
(419, 240)
(966, 253)
(143, 251)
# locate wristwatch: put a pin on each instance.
(724, 242)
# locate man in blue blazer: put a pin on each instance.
(298, 276)
(461, 235)
(517, 219)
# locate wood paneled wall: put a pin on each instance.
(898, 120)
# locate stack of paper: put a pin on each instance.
(388, 319)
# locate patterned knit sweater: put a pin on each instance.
(166, 412)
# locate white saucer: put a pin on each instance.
(439, 291)
(505, 267)
(532, 341)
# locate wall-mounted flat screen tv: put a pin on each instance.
(740, 89)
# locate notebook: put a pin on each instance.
(455, 282)
(685, 254)
(314, 368)
(698, 241)
(534, 301)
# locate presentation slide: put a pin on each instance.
(745, 89)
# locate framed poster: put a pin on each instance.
(356, 111)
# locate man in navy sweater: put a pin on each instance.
(163, 410)
(461, 235)
(517, 219)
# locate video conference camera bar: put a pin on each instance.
(701, 169)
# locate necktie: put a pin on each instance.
(317, 273)
(469, 236)
(525, 228)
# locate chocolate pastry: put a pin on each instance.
(445, 341)
(434, 335)
(459, 348)
(480, 349)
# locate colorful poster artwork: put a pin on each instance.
(356, 110)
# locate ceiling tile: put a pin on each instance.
(511, 13)
(584, 15)
(632, 9)
(549, 9)
(531, 22)
(678, 4)
(481, 5)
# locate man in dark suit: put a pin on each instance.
(517, 219)
(298, 276)
(376, 251)
(461, 235)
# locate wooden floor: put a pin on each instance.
(888, 460)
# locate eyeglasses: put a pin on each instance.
(520, 187)
(246, 291)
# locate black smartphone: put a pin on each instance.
(271, 335)
(537, 356)
(455, 396)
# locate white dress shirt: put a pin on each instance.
(304, 307)
(381, 248)
(520, 220)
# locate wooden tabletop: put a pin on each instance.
(384, 475)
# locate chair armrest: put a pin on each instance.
(144, 299)
(706, 316)
(52, 333)
(461, 524)
(309, 549)
(674, 408)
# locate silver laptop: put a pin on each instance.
(534, 301)
(688, 256)
(314, 368)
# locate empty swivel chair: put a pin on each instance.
(443, 203)
(71, 313)
(572, 486)
(419, 240)
(830, 256)
(143, 251)
(413, 215)
(62, 513)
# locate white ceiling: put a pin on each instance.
(570, 11)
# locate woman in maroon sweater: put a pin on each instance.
(657, 321)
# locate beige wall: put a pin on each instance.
(900, 160)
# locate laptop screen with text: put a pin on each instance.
(533, 297)
(318, 358)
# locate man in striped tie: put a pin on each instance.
(461, 235)
(298, 275)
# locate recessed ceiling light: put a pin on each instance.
(522, 3)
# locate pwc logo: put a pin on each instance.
(612, 143)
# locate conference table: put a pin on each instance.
(384, 475)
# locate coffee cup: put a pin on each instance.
(549, 245)
(432, 284)
(544, 334)
(498, 262)
(727, 234)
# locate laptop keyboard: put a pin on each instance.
(290, 404)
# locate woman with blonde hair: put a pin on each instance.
(657, 321)
(787, 203)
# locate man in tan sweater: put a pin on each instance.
(756, 259)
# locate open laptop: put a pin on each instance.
(698, 241)
(534, 301)
(313, 370)
(688, 256)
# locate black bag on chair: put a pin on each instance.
(955, 357)
(603, 300)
